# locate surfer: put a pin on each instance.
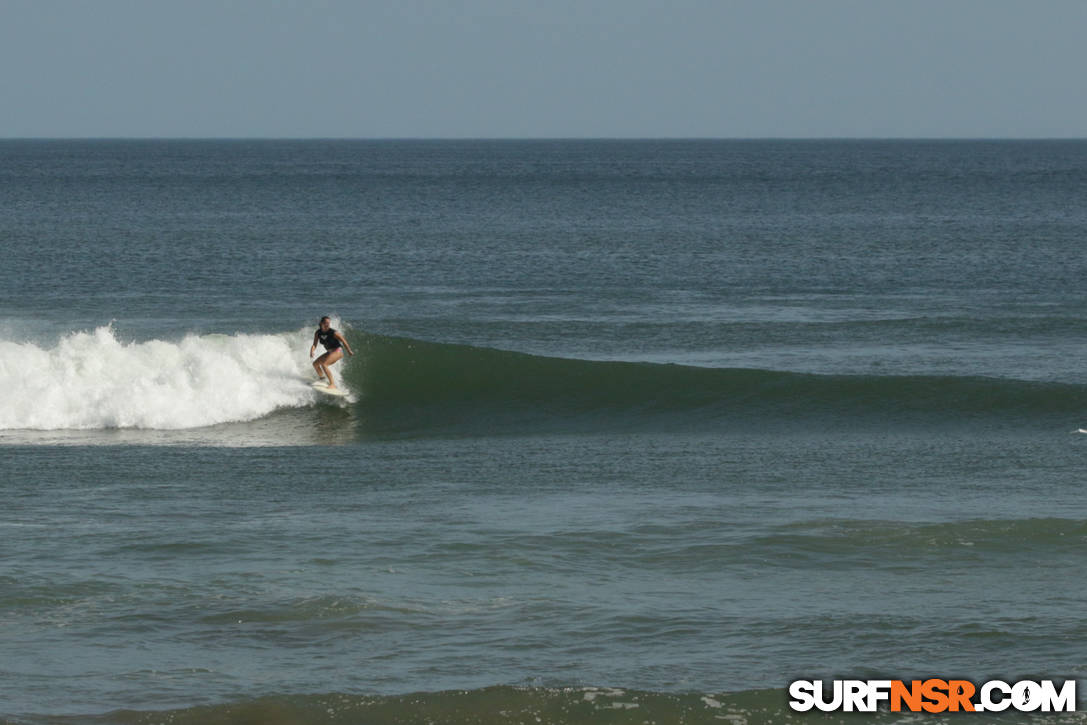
(334, 344)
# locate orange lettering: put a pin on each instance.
(959, 694)
(936, 692)
(911, 695)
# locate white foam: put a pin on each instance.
(92, 380)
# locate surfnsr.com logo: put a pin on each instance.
(933, 695)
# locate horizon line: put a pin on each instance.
(542, 138)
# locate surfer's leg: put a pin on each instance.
(326, 363)
(318, 365)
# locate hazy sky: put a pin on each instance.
(551, 68)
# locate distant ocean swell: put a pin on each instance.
(883, 543)
(838, 543)
(504, 705)
(93, 380)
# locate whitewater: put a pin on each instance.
(94, 380)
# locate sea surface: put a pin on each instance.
(638, 431)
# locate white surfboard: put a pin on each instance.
(322, 387)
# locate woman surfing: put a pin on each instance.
(334, 344)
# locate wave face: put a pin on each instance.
(93, 380)
(408, 383)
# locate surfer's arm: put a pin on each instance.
(345, 345)
(314, 345)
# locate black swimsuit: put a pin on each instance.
(328, 339)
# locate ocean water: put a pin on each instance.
(638, 431)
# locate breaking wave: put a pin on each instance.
(96, 381)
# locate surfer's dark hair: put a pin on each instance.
(326, 317)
